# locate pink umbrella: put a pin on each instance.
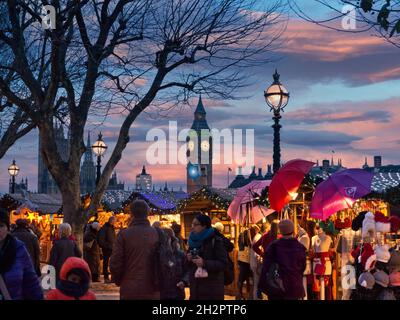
(245, 195)
(339, 192)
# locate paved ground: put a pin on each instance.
(111, 291)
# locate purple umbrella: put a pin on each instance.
(339, 192)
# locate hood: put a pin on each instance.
(73, 263)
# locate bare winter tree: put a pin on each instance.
(125, 56)
(380, 17)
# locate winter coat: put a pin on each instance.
(32, 245)
(61, 250)
(290, 255)
(91, 250)
(215, 260)
(107, 238)
(17, 271)
(57, 294)
(264, 242)
(227, 243)
(131, 262)
(169, 290)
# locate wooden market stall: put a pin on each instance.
(43, 211)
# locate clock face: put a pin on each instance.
(191, 145)
(205, 145)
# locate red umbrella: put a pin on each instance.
(286, 182)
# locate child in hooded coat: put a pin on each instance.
(74, 282)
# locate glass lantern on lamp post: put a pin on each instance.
(99, 148)
(276, 97)
(13, 170)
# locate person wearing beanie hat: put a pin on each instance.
(366, 280)
(382, 253)
(381, 278)
(382, 223)
(394, 223)
(133, 247)
(356, 224)
(290, 255)
(286, 227)
(368, 226)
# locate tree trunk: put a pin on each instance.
(72, 210)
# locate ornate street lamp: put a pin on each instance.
(277, 97)
(13, 171)
(99, 148)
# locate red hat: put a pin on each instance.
(381, 222)
(394, 223)
(380, 217)
(368, 256)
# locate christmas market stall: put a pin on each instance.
(43, 211)
(163, 205)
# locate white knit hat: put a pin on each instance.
(368, 225)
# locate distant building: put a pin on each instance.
(240, 180)
(23, 185)
(88, 170)
(377, 161)
(327, 168)
(143, 181)
(114, 184)
(46, 183)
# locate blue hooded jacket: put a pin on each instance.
(18, 272)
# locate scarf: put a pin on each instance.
(196, 239)
(8, 254)
(73, 289)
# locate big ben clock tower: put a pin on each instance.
(199, 152)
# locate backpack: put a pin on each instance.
(229, 274)
(164, 261)
(272, 283)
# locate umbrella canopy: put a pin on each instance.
(287, 181)
(340, 191)
(245, 195)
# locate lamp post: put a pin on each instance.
(99, 148)
(13, 171)
(277, 98)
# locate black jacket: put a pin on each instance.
(61, 251)
(215, 257)
(91, 250)
(32, 245)
(107, 238)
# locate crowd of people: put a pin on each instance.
(153, 262)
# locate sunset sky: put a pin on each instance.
(344, 96)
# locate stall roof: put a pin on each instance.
(40, 202)
(161, 200)
(385, 180)
(115, 198)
